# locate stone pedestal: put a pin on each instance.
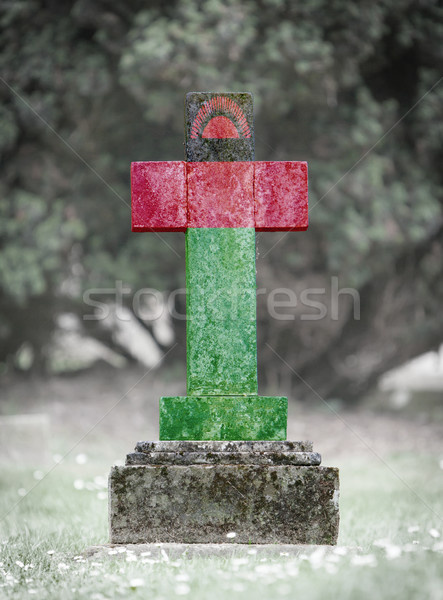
(199, 492)
(186, 491)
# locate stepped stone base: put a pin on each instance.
(199, 492)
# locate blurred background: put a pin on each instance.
(352, 88)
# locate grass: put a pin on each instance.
(385, 547)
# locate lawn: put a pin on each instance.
(390, 545)
(391, 534)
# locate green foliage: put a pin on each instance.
(37, 238)
(46, 535)
(343, 85)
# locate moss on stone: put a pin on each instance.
(262, 504)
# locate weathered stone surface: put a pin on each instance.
(261, 494)
(202, 504)
(158, 193)
(174, 195)
(223, 418)
(224, 458)
(200, 109)
(216, 452)
(281, 196)
(220, 194)
(223, 446)
(221, 334)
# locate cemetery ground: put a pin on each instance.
(53, 499)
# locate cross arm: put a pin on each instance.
(158, 192)
(281, 196)
(175, 195)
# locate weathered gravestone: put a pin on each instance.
(222, 464)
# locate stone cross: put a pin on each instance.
(223, 470)
(219, 197)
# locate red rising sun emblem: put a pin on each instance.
(220, 117)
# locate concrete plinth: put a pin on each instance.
(265, 493)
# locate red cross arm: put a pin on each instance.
(172, 196)
(158, 193)
(281, 196)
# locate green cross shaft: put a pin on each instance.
(222, 401)
(219, 197)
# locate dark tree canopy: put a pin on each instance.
(352, 88)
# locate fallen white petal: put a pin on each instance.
(392, 552)
(182, 589)
(164, 555)
(131, 558)
(367, 560)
